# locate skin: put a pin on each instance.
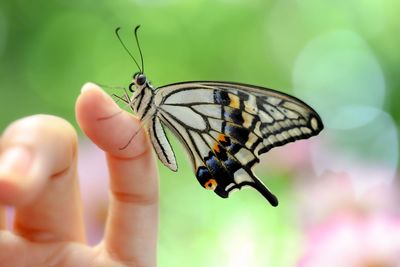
(38, 177)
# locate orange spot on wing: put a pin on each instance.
(234, 101)
(211, 184)
(216, 148)
(221, 137)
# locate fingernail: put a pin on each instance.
(15, 161)
(89, 86)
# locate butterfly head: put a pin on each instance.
(139, 82)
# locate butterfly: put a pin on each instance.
(223, 126)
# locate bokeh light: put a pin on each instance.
(340, 75)
(367, 154)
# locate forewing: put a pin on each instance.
(226, 126)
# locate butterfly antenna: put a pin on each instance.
(126, 49)
(138, 45)
(111, 86)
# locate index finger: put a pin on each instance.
(131, 231)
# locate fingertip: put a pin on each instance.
(16, 164)
(89, 86)
(33, 148)
(105, 123)
(94, 103)
(15, 194)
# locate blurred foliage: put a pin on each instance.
(48, 49)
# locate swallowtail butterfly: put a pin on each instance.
(223, 126)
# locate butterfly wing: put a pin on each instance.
(226, 126)
(161, 144)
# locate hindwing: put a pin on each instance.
(161, 144)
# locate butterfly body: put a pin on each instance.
(223, 126)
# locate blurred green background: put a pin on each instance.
(341, 57)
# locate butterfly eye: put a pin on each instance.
(141, 79)
(211, 184)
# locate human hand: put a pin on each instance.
(38, 176)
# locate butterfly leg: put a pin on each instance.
(124, 98)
